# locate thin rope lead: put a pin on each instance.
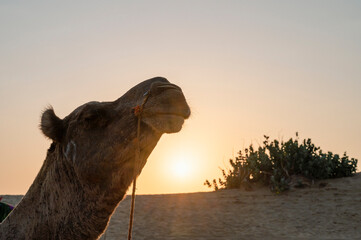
(132, 211)
(137, 112)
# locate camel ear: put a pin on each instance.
(51, 125)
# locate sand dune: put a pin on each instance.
(329, 212)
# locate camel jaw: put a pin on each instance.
(166, 110)
(165, 123)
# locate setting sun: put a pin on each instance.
(182, 165)
(181, 168)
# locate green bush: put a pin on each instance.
(275, 162)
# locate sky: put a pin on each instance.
(247, 69)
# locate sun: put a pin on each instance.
(181, 168)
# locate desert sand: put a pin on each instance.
(329, 209)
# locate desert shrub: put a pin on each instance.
(275, 162)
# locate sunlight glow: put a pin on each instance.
(181, 169)
(181, 166)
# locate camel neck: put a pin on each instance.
(57, 204)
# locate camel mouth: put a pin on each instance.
(166, 122)
(184, 114)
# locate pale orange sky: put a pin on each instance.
(247, 69)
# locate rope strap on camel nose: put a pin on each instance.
(138, 113)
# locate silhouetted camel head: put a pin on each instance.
(97, 139)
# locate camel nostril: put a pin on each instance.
(168, 86)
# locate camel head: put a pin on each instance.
(98, 139)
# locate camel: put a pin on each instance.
(91, 162)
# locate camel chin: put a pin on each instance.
(165, 123)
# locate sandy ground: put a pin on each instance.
(329, 212)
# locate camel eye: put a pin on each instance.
(94, 119)
(90, 117)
